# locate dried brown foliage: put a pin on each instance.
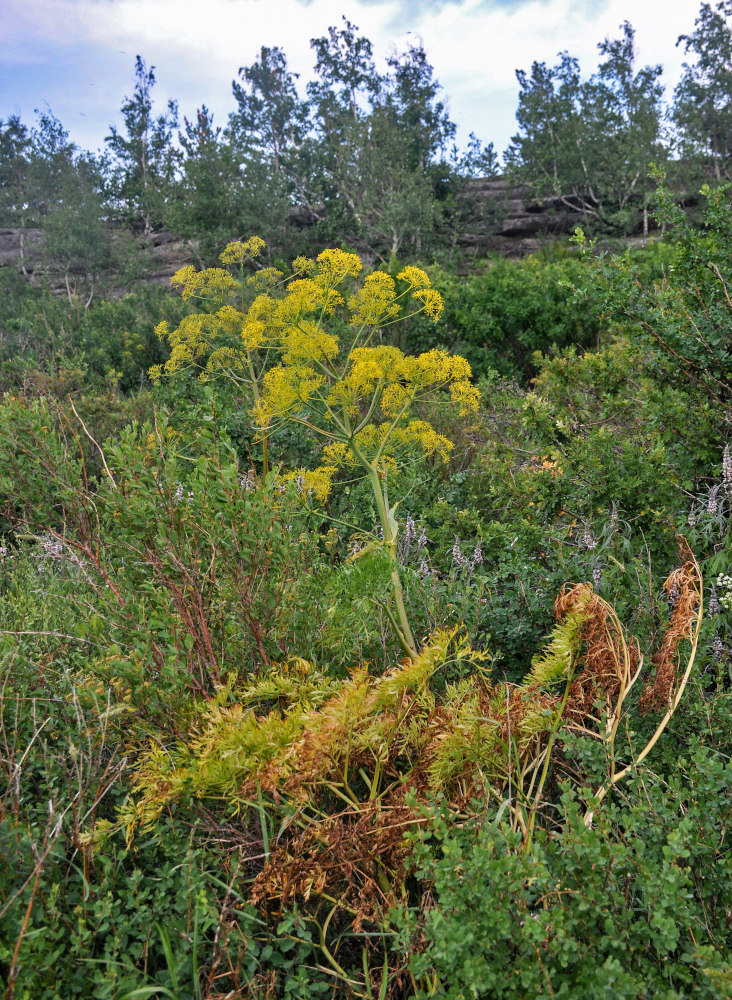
(365, 757)
(683, 588)
(609, 661)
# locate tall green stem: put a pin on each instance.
(391, 546)
(549, 747)
(404, 632)
(265, 456)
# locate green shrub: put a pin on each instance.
(635, 905)
(501, 316)
(114, 338)
(74, 920)
(684, 317)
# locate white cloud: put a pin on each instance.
(78, 55)
(477, 49)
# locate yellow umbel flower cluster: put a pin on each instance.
(414, 276)
(253, 334)
(308, 342)
(279, 337)
(432, 303)
(312, 482)
(191, 341)
(282, 343)
(384, 444)
(291, 320)
(268, 277)
(336, 265)
(305, 296)
(212, 282)
(375, 302)
(303, 265)
(388, 442)
(394, 380)
(293, 386)
(240, 252)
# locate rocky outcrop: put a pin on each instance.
(16, 244)
(156, 259)
(496, 218)
(164, 254)
(506, 219)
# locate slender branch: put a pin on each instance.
(674, 704)
(95, 443)
(375, 400)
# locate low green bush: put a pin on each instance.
(499, 317)
(634, 905)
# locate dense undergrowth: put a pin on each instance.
(440, 709)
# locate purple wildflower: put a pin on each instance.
(477, 557)
(727, 470)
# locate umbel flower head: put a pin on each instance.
(308, 349)
(283, 338)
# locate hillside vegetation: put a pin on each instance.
(366, 624)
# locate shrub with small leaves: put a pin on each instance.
(637, 904)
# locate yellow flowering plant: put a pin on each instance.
(226, 339)
(310, 347)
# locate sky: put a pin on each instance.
(77, 56)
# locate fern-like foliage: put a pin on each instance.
(342, 768)
(557, 660)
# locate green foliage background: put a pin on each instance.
(170, 612)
